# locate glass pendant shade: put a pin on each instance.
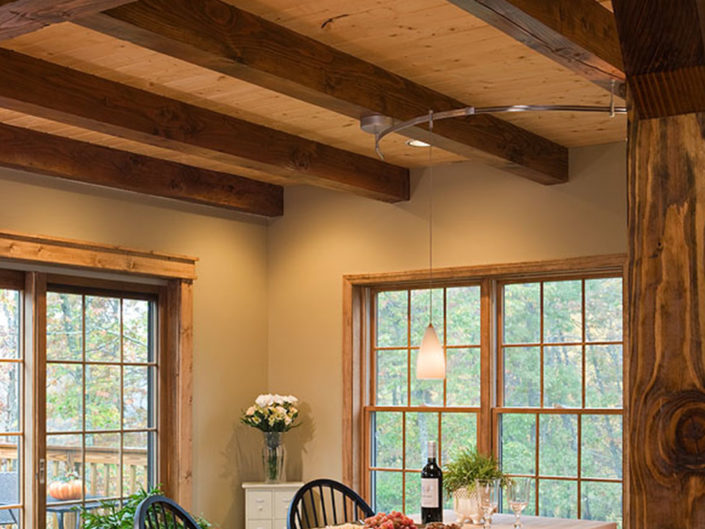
(430, 362)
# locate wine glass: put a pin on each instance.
(488, 497)
(518, 493)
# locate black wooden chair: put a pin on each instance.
(325, 502)
(160, 512)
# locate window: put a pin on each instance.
(559, 415)
(405, 412)
(101, 397)
(534, 376)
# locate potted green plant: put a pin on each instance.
(113, 516)
(459, 477)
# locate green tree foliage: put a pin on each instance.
(9, 371)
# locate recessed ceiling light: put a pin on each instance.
(417, 143)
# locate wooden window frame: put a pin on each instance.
(175, 312)
(358, 292)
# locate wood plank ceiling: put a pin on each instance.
(216, 90)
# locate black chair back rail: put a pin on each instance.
(324, 502)
(160, 512)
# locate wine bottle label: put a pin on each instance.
(429, 493)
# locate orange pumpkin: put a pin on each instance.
(66, 490)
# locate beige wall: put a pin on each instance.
(268, 299)
(230, 305)
(481, 215)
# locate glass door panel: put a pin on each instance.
(101, 394)
(11, 410)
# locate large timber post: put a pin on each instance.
(664, 56)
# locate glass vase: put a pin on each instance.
(273, 457)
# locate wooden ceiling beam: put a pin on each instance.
(18, 17)
(581, 35)
(223, 38)
(664, 55)
(50, 91)
(50, 155)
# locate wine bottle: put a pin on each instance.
(431, 488)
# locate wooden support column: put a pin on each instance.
(665, 421)
(664, 59)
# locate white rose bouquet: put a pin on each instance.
(272, 413)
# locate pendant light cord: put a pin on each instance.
(430, 219)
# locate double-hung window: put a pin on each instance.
(534, 377)
(405, 412)
(558, 416)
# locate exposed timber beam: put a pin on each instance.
(664, 55)
(223, 38)
(47, 90)
(18, 17)
(581, 35)
(93, 164)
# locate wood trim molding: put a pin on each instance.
(12, 279)
(177, 421)
(349, 317)
(41, 249)
(607, 262)
(353, 380)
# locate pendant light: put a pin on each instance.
(431, 359)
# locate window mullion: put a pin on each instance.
(485, 433)
(34, 446)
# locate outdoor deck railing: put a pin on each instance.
(102, 469)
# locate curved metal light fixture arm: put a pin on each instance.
(470, 111)
(456, 113)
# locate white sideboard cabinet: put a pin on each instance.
(267, 504)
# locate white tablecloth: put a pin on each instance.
(506, 521)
